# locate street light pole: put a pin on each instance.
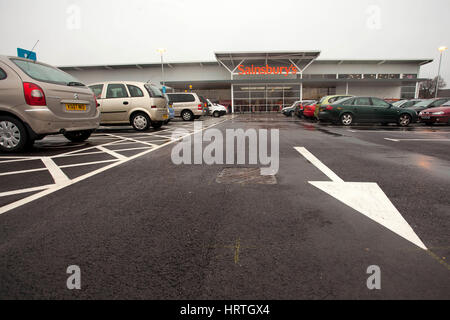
(161, 51)
(441, 49)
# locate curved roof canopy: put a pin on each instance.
(232, 60)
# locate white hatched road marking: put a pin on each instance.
(62, 181)
(58, 175)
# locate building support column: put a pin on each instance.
(232, 98)
(416, 94)
(346, 88)
(301, 91)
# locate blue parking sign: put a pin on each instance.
(22, 53)
(164, 89)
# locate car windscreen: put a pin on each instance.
(398, 103)
(342, 101)
(153, 91)
(45, 73)
(423, 103)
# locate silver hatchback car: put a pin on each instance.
(37, 99)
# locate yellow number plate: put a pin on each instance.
(165, 116)
(75, 107)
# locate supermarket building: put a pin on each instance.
(243, 80)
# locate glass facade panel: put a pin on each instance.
(273, 97)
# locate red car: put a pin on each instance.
(436, 115)
(308, 110)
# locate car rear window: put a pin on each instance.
(44, 73)
(135, 92)
(153, 91)
(182, 97)
(97, 89)
(2, 74)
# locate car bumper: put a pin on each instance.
(435, 119)
(42, 121)
(159, 115)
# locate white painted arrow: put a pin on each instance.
(366, 198)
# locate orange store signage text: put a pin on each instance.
(267, 70)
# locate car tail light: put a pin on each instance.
(96, 102)
(200, 107)
(329, 108)
(34, 95)
(153, 107)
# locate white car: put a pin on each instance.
(125, 102)
(216, 110)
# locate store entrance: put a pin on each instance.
(254, 98)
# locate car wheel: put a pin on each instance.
(216, 114)
(404, 120)
(78, 136)
(346, 119)
(157, 125)
(140, 121)
(187, 115)
(13, 135)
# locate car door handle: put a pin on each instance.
(125, 102)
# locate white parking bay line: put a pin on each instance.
(398, 140)
(14, 192)
(58, 175)
(112, 153)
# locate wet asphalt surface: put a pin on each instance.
(148, 229)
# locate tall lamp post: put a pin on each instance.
(441, 49)
(161, 52)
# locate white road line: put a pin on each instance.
(137, 141)
(10, 173)
(18, 160)
(58, 175)
(112, 153)
(14, 192)
(398, 140)
(318, 164)
(87, 163)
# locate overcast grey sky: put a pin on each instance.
(88, 32)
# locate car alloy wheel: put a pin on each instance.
(404, 120)
(9, 135)
(347, 119)
(187, 116)
(141, 122)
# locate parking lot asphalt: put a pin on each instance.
(141, 227)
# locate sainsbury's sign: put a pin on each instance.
(267, 70)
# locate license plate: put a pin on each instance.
(426, 117)
(75, 107)
(165, 116)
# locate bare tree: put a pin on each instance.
(427, 89)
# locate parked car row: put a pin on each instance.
(37, 99)
(347, 110)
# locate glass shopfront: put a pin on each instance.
(273, 97)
